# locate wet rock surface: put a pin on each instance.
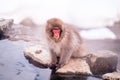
(5, 25)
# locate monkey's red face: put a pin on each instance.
(56, 33)
(55, 29)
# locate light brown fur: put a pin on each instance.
(68, 45)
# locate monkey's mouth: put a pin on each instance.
(56, 36)
(56, 33)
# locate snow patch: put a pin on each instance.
(98, 33)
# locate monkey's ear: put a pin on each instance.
(48, 21)
(51, 21)
(63, 26)
(49, 25)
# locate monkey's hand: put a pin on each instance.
(59, 65)
(53, 66)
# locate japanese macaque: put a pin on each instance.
(64, 42)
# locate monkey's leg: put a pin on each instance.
(64, 57)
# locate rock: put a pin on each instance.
(38, 55)
(75, 66)
(27, 22)
(20, 32)
(16, 32)
(34, 34)
(5, 24)
(115, 28)
(102, 62)
(111, 76)
(96, 63)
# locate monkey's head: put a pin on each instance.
(55, 29)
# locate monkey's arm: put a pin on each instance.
(54, 58)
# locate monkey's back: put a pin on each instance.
(76, 43)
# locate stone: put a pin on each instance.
(95, 63)
(5, 24)
(102, 62)
(75, 66)
(38, 55)
(27, 22)
(112, 76)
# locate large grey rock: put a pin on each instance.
(102, 62)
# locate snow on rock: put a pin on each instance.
(75, 66)
(98, 33)
(38, 54)
(111, 76)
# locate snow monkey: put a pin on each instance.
(64, 42)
